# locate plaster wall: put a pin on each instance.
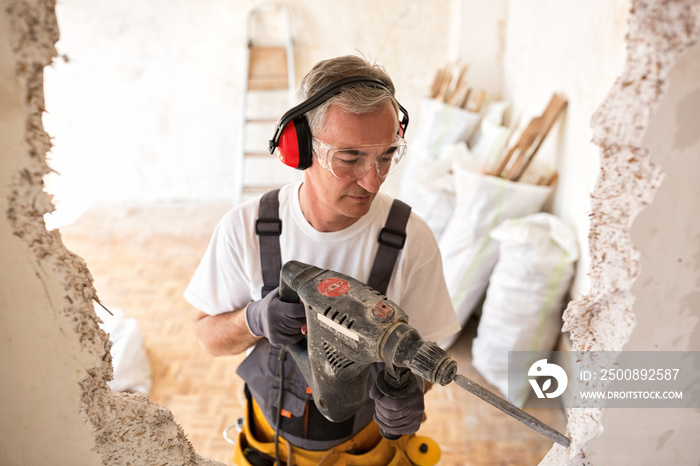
(34, 341)
(668, 288)
(56, 405)
(617, 72)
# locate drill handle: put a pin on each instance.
(287, 294)
(292, 275)
(396, 383)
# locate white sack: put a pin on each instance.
(468, 252)
(524, 301)
(491, 142)
(433, 195)
(496, 111)
(439, 125)
(132, 369)
(433, 198)
(488, 143)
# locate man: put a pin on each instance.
(332, 220)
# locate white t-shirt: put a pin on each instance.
(229, 275)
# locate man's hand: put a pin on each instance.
(276, 320)
(398, 416)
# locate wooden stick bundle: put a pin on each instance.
(451, 87)
(520, 155)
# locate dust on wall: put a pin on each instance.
(128, 428)
(659, 32)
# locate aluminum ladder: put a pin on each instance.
(269, 68)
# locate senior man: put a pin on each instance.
(347, 136)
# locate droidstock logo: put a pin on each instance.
(542, 368)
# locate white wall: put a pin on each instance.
(575, 49)
(148, 105)
(481, 44)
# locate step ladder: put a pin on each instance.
(268, 92)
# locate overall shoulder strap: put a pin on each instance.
(268, 227)
(391, 240)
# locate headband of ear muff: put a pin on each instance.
(293, 134)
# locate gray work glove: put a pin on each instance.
(398, 416)
(276, 320)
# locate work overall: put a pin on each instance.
(314, 439)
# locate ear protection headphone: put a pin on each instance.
(293, 135)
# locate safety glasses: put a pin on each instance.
(354, 162)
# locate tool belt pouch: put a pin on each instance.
(261, 369)
(255, 447)
(301, 419)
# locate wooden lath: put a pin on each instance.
(450, 86)
(519, 156)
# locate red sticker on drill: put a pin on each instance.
(333, 287)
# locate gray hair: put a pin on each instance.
(356, 99)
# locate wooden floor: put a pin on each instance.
(142, 258)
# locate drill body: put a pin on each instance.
(350, 327)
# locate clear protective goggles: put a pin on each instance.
(354, 162)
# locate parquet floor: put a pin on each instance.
(142, 258)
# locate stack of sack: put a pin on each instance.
(476, 183)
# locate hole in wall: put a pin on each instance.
(600, 320)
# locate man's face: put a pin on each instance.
(330, 203)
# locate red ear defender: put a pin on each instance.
(295, 148)
(292, 137)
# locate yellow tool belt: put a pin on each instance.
(367, 447)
